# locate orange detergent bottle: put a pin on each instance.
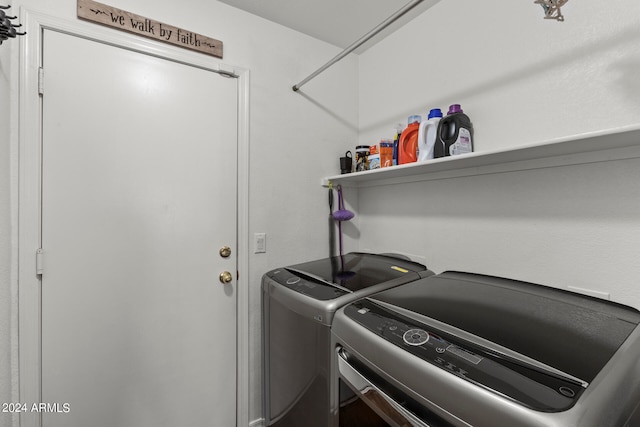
(408, 146)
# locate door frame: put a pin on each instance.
(29, 191)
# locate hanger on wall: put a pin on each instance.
(8, 28)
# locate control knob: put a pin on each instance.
(415, 337)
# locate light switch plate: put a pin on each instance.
(259, 243)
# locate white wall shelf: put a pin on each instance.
(609, 145)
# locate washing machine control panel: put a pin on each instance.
(306, 285)
(517, 381)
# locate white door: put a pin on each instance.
(138, 196)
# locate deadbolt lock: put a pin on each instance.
(225, 251)
(226, 277)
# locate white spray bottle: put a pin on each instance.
(427, 135)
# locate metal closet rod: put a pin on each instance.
(390, 20)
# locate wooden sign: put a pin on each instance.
(126, 21)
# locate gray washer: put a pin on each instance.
(500, 353)
(299, 302)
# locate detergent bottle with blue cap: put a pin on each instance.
(427, 135)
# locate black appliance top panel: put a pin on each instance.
(529, 386)
(306, 285)
(355, 271)
(574, 333)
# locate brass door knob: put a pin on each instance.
(225, 252)
(226, 277)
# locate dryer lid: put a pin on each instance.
(574, 333)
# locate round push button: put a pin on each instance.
(566, 391)
(415, 337)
